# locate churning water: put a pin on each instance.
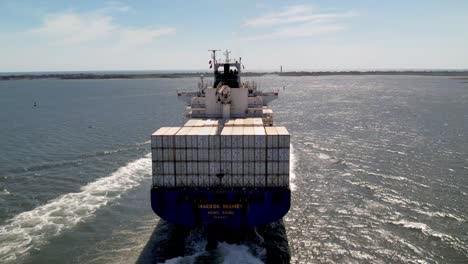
(380, 172)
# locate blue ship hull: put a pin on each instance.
(232, 208)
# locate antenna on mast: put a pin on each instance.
(226, 53)
(213, 56)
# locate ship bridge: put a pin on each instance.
(228, 96)
(227, 72)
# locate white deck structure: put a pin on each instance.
(229, 140)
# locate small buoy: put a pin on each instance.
(35, 104)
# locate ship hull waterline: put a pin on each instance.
(231, 208)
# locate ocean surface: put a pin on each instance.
(379, 171)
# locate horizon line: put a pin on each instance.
(254, 70)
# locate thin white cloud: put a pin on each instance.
(294, 14)
(302, 30)
(73, 28)
(96, 27)
(297, 21)
(131, 37)
(112, 6)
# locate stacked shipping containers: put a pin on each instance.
(242, 153)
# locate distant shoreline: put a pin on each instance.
(105, 76)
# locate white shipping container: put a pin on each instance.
(158, 168)
(236, 142)
(167, 141)
(156, 141)
(156, 137)
(237, 167)
(284, 180)
(260, 154)
(272, 137)
(226, 181)
(237, 154)
(168, 154)
(249, 181)
(215, 167)
(192, 180)
(248, 154)
(260, 141)
(204, 180)
(203, 137)
(245, 142)
(260, 137)
(169, 168)
(192, 167)
(237, 181)
(226, 141)
(192, 154)
(229, 123)
(226, 168)
(226, 154)
(272, 154)
(189, 141)
(181, 180)
(283, 167)
(260, 181)
(239, 122)
(272, 168)
(212, 122)
(192, 137)
(257, 122)
(283, 154)
(283, 137)
(215, 181)
(180, 168)
(180, 141)
(169, 180)
(245, 168)
(156, 154)
(203, 167)
(180, 154)
(214, 154)
(226, 137)
(249, 137)
(181, 136)
(248, 122)
(237, 137)
(158, 181)
(283, 141)
(191, 123)
(214, 140)
(260, 167)
(200, 123)
(272, 180)
(203, 155)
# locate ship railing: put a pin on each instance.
(198, 106)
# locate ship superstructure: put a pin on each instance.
(228, 165)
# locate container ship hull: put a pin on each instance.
(228, 165)
(234, 208)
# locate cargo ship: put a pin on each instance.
(228, 165)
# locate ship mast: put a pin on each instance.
(213, 56)
(226, 53)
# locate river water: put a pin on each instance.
(379, 171)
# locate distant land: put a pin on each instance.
(90, 76)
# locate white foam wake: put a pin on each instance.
(292, 167)
(225, 253)
(32, 228)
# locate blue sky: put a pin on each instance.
(49, 35)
